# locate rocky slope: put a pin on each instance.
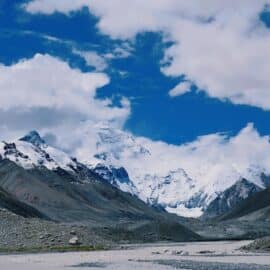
(80, 196)
(256, 206)
(34, 234)
(259, 245)
(231, 198)
(248, 219)
(9, 202)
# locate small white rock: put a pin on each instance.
(74, 241)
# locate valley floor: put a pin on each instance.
(163, 256)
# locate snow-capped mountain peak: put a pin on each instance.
(114, 144)
(34, 138)
(31, 150)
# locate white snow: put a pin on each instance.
(36, 156)
(181, 210)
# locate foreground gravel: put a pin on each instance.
(194, 265)
(259, 245)
(26, 234)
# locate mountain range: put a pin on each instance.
(120, 201)
(122, 160)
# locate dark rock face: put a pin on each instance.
(266, 180)
(115, 176)
(11, 150)
(198, 200)
(256, 206)
(33, 137)
(230, 198)
(112, 175)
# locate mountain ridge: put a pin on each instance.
(117, 159)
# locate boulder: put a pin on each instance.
(74, 241)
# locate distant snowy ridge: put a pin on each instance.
(170, 181)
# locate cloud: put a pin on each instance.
(221, 46)
(122, 51)
(49, 6)
(227, 157)
(45, 93)
(224, 155)
(101, 61)
(93, 59)
(214, 162)
(180, 89)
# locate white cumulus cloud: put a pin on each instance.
(46, 94)
(221, 46)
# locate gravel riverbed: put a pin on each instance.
(163, 256)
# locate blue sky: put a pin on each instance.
(136, 75)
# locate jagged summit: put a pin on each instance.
(33, 137)
(32, 151)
